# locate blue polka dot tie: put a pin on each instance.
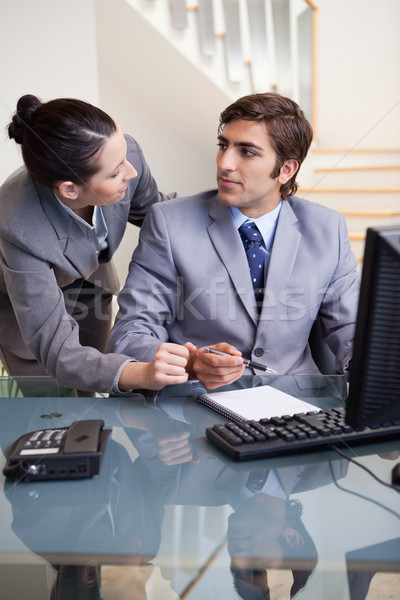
(252, 241)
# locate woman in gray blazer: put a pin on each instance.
(63, 216)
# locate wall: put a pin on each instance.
(47, 48)
(105, 52)
(359, 48)
(157, 96)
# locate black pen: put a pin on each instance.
(246, 361)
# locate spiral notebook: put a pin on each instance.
(257, 403)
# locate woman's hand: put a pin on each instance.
(168, 367)
(176, 448)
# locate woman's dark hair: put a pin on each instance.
(60, 139)
(289, 131)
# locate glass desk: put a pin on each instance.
(170, 517)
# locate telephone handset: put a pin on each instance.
(70, 452)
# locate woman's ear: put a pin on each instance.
(293, 538)
(288, 169)
(67, 190)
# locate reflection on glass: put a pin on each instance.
(162, 460)
(266, 532)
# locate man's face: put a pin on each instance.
(245, 161)
(258, 532)
(254, 531)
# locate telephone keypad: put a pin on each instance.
(45, 440)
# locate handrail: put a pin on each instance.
(350, 190)
(315, 64)
(381, 214)
(355, 150)
(311, 4)
(357, 237)
(358, 168)
(236, 28)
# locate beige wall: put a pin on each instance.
(105, 52)
(47, 48)
(92, 49)
(359, 50)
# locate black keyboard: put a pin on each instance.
(303, 432)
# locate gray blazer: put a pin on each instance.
(189, 281)
(42, 251)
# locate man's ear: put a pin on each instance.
(67, 190)
(293, 538)
(288, 169)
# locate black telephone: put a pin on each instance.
(70, 452)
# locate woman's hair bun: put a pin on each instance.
(26, 107)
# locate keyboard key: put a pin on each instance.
(304, 432)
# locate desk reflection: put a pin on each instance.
(79, 525)
(165, 461)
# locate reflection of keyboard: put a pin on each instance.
(303, 432)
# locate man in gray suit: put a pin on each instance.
(191, 277)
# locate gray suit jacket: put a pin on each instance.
(42, 251)
(189, 281)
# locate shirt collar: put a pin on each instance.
(99, 227)
(266, 223)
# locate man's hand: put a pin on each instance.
(214, 370)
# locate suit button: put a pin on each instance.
(258, 352)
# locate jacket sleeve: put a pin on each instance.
(47, 329)
(338, 310)
(149, 301)
(143, 188)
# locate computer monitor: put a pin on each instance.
(374, 390)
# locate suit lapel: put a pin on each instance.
(75, 246)
(116, 217)
(283, 255)
(290, 477)
(229, 247)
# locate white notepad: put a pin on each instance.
(255, 403)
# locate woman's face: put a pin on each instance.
(108, 185)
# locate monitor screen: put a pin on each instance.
(374, 390)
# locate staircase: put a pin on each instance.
(363, 184)
(222, 49)
(244, 46)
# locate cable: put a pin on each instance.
(389, 485)
(393, 512)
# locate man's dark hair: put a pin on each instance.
(288, 129)
(305, 557)
(294, 511)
